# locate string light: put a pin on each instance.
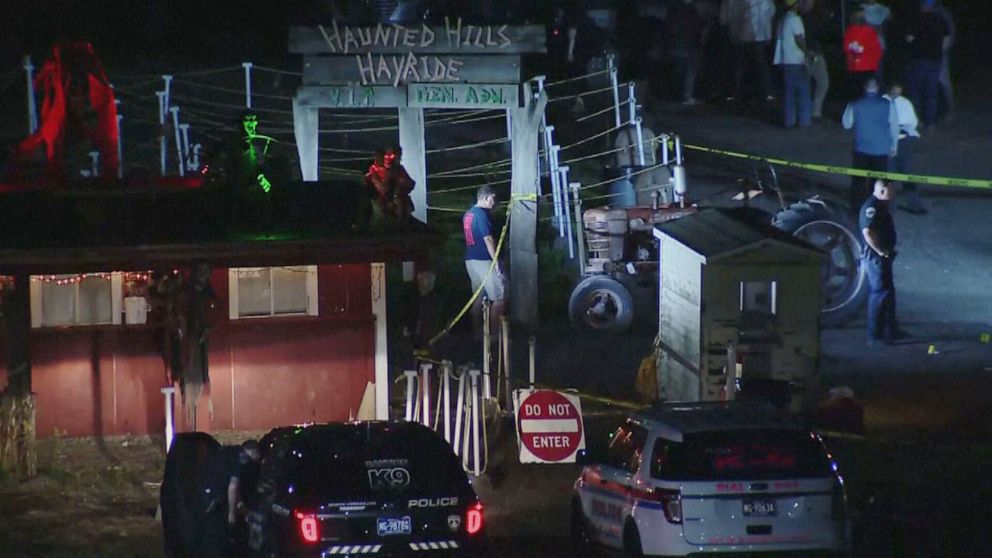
(61, 280)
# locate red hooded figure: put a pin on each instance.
(71, 84)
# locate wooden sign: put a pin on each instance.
(399, 69)
(352, 96)
(452, 37)
(462, 95)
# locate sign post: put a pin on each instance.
(549, 426)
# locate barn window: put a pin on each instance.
(257, 292)
(758, 307)
(759, 297)
(76, 299)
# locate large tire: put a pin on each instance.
(844, 280)
(182, 513)
(602, 304)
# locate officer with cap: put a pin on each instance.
(879, 231)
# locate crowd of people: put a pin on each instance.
(729, 49)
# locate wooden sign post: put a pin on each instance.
(413, 67)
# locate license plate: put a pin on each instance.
(386, 526)
(759, 508)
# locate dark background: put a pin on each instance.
(154, 34)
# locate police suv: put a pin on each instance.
(362, 489)
(700, 478)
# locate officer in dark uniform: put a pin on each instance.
(879, 231)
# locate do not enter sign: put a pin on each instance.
(549, 426)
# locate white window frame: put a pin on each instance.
(233, 300)
(772, 295)
(116, 302)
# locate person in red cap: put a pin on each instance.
(863, 51)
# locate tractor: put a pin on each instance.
(622, 252)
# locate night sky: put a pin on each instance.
(128, 33)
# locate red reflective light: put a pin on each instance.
(473, 519)
(670, 500)
(309, 527)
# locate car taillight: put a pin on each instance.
(473, 519)
(309, 527)
(670, 500)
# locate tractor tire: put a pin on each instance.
(601, 304)
(844, 279)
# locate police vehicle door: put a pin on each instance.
(611, 500)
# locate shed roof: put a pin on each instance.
(720, 233)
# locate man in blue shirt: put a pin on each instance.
(876, 137)
(480, 251)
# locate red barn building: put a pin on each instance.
(296, 326)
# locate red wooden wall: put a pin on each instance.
(265, 372)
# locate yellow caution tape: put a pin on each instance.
(831, 169)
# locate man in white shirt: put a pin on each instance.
(790, 54)
(908, 136)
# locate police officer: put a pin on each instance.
(879, 231)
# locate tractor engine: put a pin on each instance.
(620, 239)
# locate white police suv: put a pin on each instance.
(707, 478)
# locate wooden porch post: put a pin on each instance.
(526, 122)
(412, 142)
(17, 419)
(306, 125)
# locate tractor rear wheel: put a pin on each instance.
(844, 280)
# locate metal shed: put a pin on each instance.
(735, 291)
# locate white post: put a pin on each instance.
(487, 347)
(247, 67)
(678, 174)
(616, 88)
(579, 238)
(640, 139)
(476, 465)
(179, 143)
(120, 148)
(664, 149)
(555, 180)
(184, 131)
(32, 108)
(169, 426)
(533, 360)
(194, 164)
(567, 210)
(411, 390)
(412, 141)
(382, 383)
(544, 124)
(731, 389)
(509, 129)
(459, 404)
(167, 89)
(425, 386)
(446, 398)
(161, 125)
(94, 163)
(631, 103)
